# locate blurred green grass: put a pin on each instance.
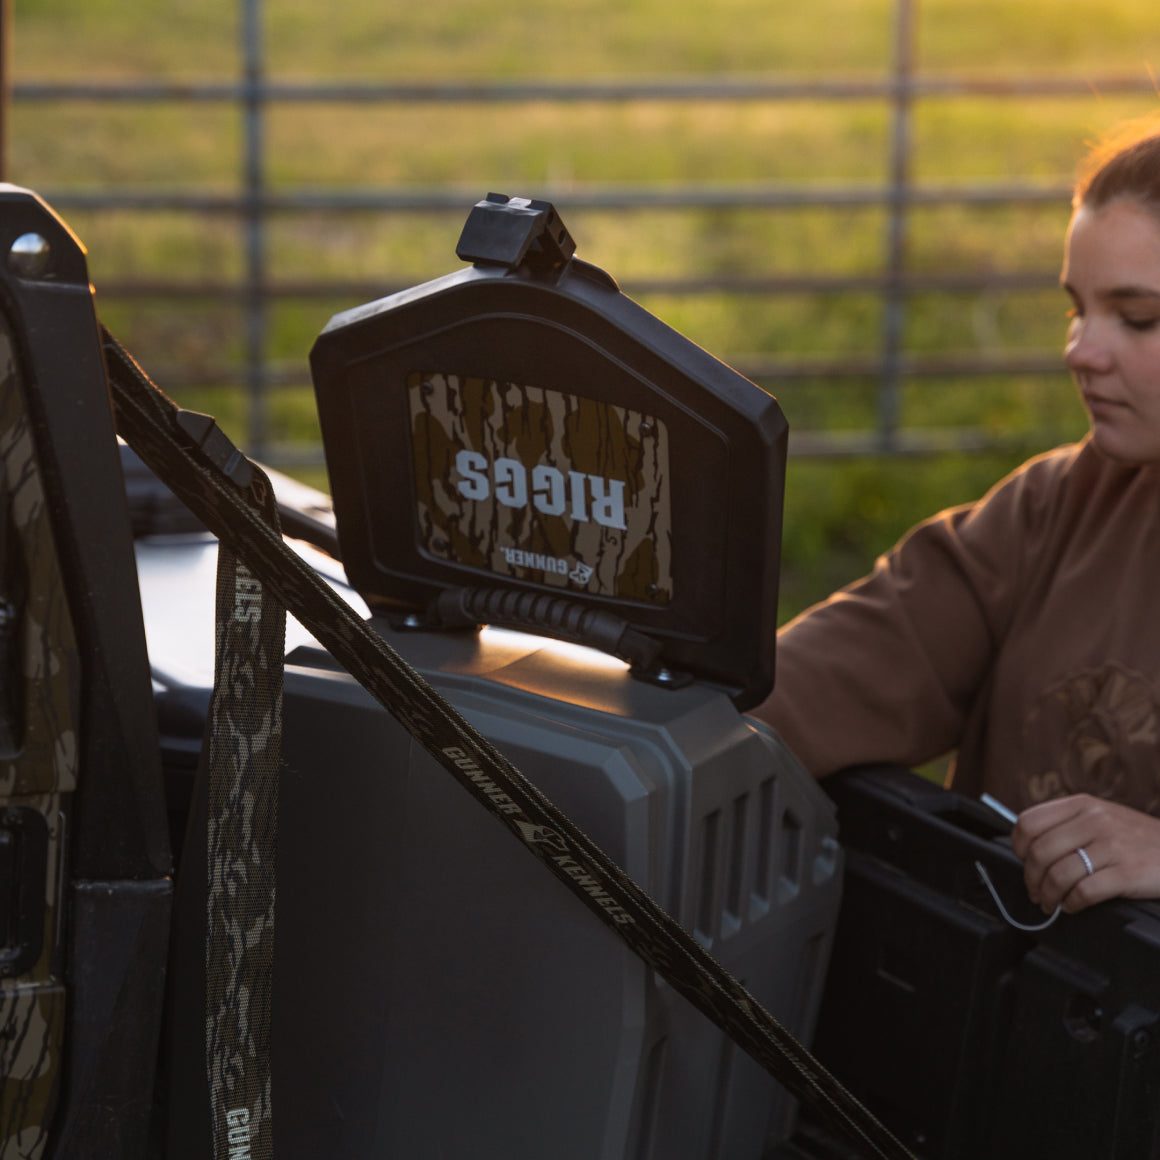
(839, 514)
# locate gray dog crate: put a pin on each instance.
(520, 445)
(437, 994)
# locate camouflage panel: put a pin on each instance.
(32, 1016)
(39, 698)
(544, 486)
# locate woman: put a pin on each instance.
(1024, 630)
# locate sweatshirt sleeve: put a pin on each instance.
(888, 668)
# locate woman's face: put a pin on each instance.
(1111, 271)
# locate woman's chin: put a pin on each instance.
(1129, 447)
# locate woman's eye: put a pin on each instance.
(1141, 323)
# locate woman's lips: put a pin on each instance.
(1100, 403)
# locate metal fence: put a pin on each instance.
(255, 201)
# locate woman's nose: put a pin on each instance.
(1085, 351)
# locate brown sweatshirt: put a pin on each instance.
(1022, 630)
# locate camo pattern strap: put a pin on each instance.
(245, 751)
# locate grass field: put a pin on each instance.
(839, 514)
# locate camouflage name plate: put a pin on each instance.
(540, 485)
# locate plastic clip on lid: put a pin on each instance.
(513, 231)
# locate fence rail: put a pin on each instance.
(444, 199)
(254, 202)
(488, 92)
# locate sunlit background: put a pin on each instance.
(858, 203)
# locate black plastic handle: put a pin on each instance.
(550, 616)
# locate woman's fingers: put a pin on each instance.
(1052, 864)
(1039, 820)
(1081, 850)
(1067, 882)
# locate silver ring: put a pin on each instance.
(1087, 862)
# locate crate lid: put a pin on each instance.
(520, 443)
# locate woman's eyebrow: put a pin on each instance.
(1116, 293)
(1120, 293)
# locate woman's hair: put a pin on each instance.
(1126, 163)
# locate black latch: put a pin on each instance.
(213, 442)
(515, 232)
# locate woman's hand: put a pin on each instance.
(1122, 845)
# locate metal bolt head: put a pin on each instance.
(29, 256)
